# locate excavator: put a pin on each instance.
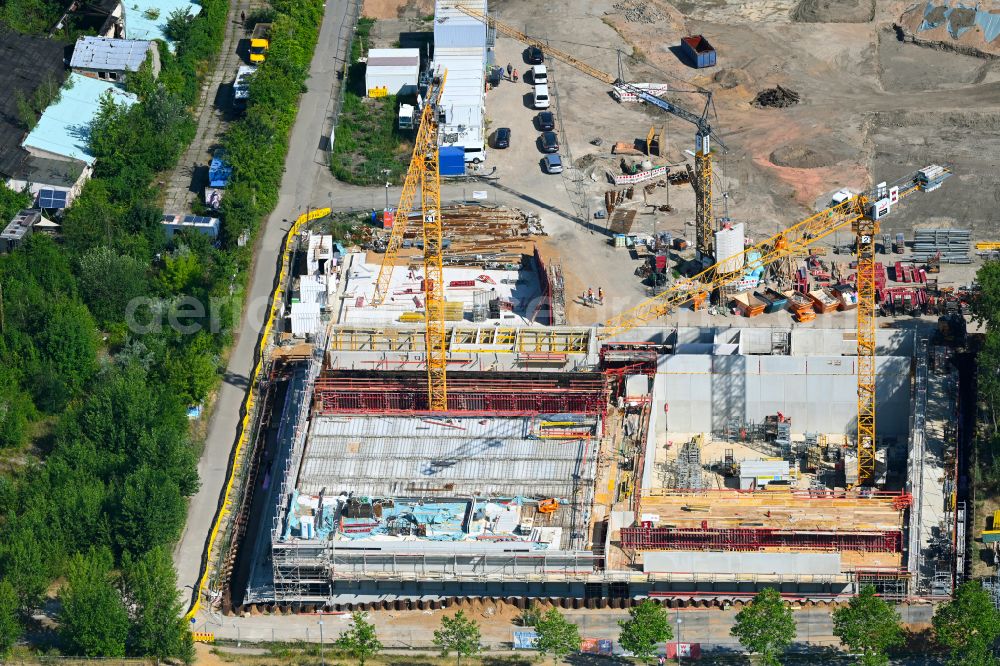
(861, 212)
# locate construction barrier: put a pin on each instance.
(248, 404)
(622, 95)
(203, 636)
(631, 179)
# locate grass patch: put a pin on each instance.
(368, 149)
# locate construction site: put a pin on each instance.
(766, 395)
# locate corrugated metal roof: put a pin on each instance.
(465, 79)
(64, 127)
(757, 468)
(103, 53)
(446, 12)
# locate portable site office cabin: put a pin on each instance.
(392, 72)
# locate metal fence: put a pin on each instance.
(350, 25)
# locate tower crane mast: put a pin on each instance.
(424, 177)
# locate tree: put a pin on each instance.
(765, 627)
(359, 640)
(158, 628)
(868, 626)
(93, 619)
(15, 409)
(108, 281)
(647, 625)
(556, 635)
(968, 624)
(10, 625)
(458, 634)
(986, 304)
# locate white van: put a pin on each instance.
(475, 154)
(540, 97)
(539, 75)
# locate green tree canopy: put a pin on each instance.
(765, 627)
(93, 620)
(458, 634)
(108, 281)
(647, 626)
(359, 641)
(868, 626)
(10, 624)
(158, 627)
(557, 636)
(967, 624)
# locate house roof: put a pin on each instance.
(43, 171)
(28, 63)
(108, 54)
(393, 58)
(64, 128)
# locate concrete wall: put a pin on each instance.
(819, 393)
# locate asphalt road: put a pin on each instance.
(305, 167)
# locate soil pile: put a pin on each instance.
(637, 11)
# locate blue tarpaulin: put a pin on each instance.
(525, 640)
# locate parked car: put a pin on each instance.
(539, 75)
(546, 121)
(550, 142)
(534, 56)
(552, 163)
(540, 97)
(502, 138)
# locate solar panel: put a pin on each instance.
(49, 198)
(196, 219)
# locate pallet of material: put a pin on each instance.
(823, 301)
(625, 148)
(748, 305)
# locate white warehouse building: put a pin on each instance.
(392, 72)
(460, 48)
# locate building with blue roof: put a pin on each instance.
(63, 131)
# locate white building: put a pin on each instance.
(392, 72)
(208, 226)
(461, 48)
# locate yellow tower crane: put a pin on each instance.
(862, 212)
(424, 176)
(704, 221)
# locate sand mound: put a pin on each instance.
(732, 77)
(803, 157)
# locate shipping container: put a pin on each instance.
(452, 159)
(392, 72)
(698, 51)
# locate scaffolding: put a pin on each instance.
(498, 339)
(688, 468)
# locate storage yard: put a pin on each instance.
(656, 371)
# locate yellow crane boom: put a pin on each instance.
(862, 212)
(424, 176)
(427, 134)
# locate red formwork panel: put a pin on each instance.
(749, 539)
(500, 396)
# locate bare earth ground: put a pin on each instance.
(873, 108)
